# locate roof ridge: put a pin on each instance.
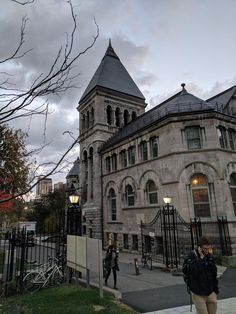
(221, 93)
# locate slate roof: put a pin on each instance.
(113, 75)
(182, 102)
(224, 97)
(75, 170)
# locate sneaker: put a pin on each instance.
(115, 287)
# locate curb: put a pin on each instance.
(117, 294)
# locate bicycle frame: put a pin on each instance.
(44, 276)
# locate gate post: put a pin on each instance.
(225, 240)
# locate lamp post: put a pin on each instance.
(74, 222)
(167, 200)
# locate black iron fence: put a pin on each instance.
(21, 251)
(168, 238)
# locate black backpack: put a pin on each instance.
(186, 268)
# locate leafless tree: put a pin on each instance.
(16, 103)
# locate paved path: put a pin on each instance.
(157, 291)
(226, 306)
(160, 292)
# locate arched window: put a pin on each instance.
(126, 117)
(129, 193)
(151, 192)
(233, 190)
(134, 115)
(200, 195)
(109, 112)
(117, 114)
(112, 204)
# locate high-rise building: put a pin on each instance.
(44, 187)
(59, 186)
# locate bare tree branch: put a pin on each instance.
(23, 2)
(24, 103)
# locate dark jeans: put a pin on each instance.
(114, 274)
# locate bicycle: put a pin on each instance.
(46, 274)
(146, 261)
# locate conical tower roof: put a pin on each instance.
(111, 74)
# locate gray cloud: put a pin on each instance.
(160, 43)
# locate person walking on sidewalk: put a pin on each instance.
(200, 273)
(111, 262)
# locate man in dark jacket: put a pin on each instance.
(201, 272)
(111, 262)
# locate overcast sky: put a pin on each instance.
(162, 43)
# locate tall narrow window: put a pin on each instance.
(134, 116)
(85, 185)
(92, 116)
(123, 158)
(222, 137)
(126, 117)
(129, 195)
(154, 146)
(233, 190)
(151, 192)
(117, 114)
(114, 162)
(131, 155)
(200, 195)
(143, 151)
(112, 204)
(108, 164)
(193, 136)
(91, 171)
(231, 133)
(83, 122)
(88, 121)
(109, 113)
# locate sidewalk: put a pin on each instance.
(226, 306)
(161, 290)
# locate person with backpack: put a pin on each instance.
(111, 263)
(200, 275)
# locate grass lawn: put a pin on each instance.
(65, 299)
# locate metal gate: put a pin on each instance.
(168, 238)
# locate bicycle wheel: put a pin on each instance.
(149, 263)
(32, 282)
(58, 277)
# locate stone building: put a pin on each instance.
(130, 159)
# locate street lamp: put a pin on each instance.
(167, 200)
(74, 199)
(74, 221)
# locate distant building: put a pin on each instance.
(59, 186)
(44, 187)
